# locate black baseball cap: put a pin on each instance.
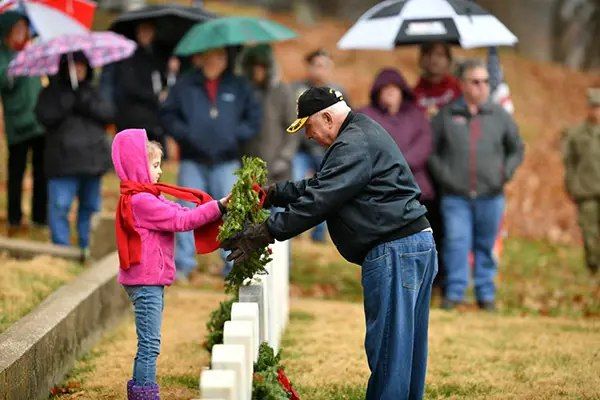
(312, 101)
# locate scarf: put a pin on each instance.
(129, 243)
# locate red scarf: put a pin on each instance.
(212, 89)
(129, 243)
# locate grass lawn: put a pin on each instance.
(535, 278)
(472, 355)
(25, 284)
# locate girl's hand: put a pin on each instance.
(225, 200)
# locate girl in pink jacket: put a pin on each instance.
(146, 226)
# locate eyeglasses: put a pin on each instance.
(478, 82)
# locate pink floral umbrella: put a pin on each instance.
(43, 58)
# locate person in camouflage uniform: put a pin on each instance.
(582, 177)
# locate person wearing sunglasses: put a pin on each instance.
(477, 149)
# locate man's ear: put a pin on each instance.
(328, 118)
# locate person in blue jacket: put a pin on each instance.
(210, 112)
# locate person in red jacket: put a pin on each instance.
(437, 87)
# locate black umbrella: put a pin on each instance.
(171, 21)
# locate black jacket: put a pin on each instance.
(476, 155)
(76, 141)
(137, 105)
(364, 190)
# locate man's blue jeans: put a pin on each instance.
(61, 194)
(471, 225)
(303, 165)
(148, 304)
(396, 279)
(217, 180)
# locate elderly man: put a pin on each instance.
(368, 196)
(319, 71)
(211, 113)
(582, 177)
(477, 149)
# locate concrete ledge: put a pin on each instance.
(39, 349)
(19, 248)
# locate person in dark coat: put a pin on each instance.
(369, 198)
(393, 105)
(211, 113)
(138, 84)
(477, 149)
(22, 130)
(77, 148)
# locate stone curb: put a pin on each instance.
(38, 350)
(19, 248)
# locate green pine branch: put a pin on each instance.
(244, 210)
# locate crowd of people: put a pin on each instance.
(454, 129)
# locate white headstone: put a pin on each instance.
(232, 357)
(242, 332)
(269, 285)
(248, 312)
(255, 292)
(218, 384)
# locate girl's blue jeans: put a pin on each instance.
(148, 304)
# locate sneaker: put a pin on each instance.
(448, 304)
(489, 306)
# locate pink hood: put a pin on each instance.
(130, 156)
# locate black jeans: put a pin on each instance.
(17, 162)
(434, 216)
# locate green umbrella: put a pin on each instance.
(231, 31)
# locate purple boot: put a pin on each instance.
(129, 387)
(146, 392)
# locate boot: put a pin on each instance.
(146, 392)
(129, 387)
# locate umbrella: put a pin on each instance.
(231, 31)
(172, 22)
(54, 18)
(406, 22)
(100, 48)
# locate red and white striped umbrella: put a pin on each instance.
(54, 18)
(43, 58)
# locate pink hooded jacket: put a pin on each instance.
(156, 218)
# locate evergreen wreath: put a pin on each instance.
(269, 381)
(245, 209)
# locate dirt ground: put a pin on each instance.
(472, 356)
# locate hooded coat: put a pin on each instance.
(273, 144)
(19, 94)
(156, 218)
(409, 128)
(76, 141)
